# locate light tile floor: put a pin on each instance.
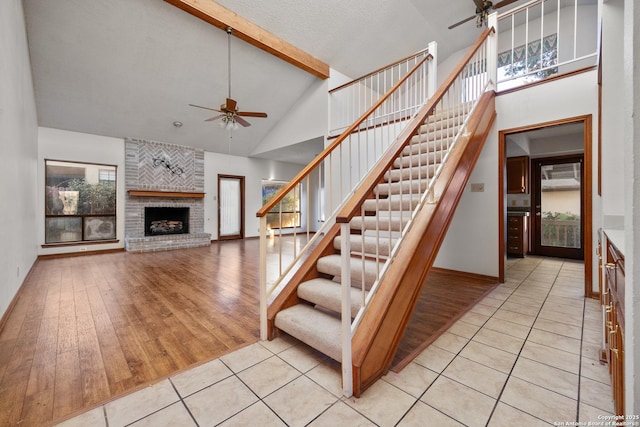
(526, 355)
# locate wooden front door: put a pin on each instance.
(557, 224)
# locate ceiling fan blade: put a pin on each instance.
(215, 118)
(242, 121)
(231, 104)
(206, 108)
(251, 114)
(462, 22)
(503, 3)
(479, 4)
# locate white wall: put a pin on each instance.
(306, 120)
(631, 102)
(254, 171)
(472, 242)
(56, 144)
(613, 90)
(18, 140)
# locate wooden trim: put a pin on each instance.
(83, 253)
(320, 157)
(223, 18)
(376, 174)
(175, 194)
(588, 196)
(81, 243)
(473, 276)
(393, 64)
(16, 297)
(547, 80)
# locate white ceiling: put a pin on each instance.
(129, 68)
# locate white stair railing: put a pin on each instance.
(543, 38)
(351, 100)
(450, 109)
(323, 186)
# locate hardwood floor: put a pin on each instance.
(88, 329)
(445, 297)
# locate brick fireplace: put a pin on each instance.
(163, 177)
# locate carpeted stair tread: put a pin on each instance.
(383, 222)
(416, 186)
(328, 294)
(422, 172)
(431, 147)
(403, 202)
(370, 243)
(315, 328)
(332, 265)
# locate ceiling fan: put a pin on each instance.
(483, 8)
(232, 118)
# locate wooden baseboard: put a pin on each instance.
(84, 253)
(14, 300)
(475, 276)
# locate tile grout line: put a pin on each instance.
(523, 344)
(183, 402)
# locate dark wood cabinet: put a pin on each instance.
(517, 235)
(518, 175)
(612, 298)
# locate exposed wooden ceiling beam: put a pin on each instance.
(224, 18)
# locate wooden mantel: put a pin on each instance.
(150, 193)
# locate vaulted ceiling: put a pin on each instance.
(129, 68)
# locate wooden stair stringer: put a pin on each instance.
(378, 336)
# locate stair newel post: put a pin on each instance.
(492, 51)
(263, 278)
(432, 73)
(347, 365)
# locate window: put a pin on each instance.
(107, 176)
(525, 65)
(80, 202)
(285, 214)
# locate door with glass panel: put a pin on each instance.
(558, 207)
(230, 207)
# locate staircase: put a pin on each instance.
(316, 319)
(352, 294)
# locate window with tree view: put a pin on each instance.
(80, 202)
(525, 64)
(285, 214)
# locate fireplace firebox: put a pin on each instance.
(159, 221)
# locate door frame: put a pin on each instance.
(587, 195)
(241, 234)
(536, 245)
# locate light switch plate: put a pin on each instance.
(477, 188)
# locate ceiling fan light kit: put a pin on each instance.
(231, 116)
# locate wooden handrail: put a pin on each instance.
(342, 86)
(384, 164)
(264, 210)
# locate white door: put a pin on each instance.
(230, 207)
